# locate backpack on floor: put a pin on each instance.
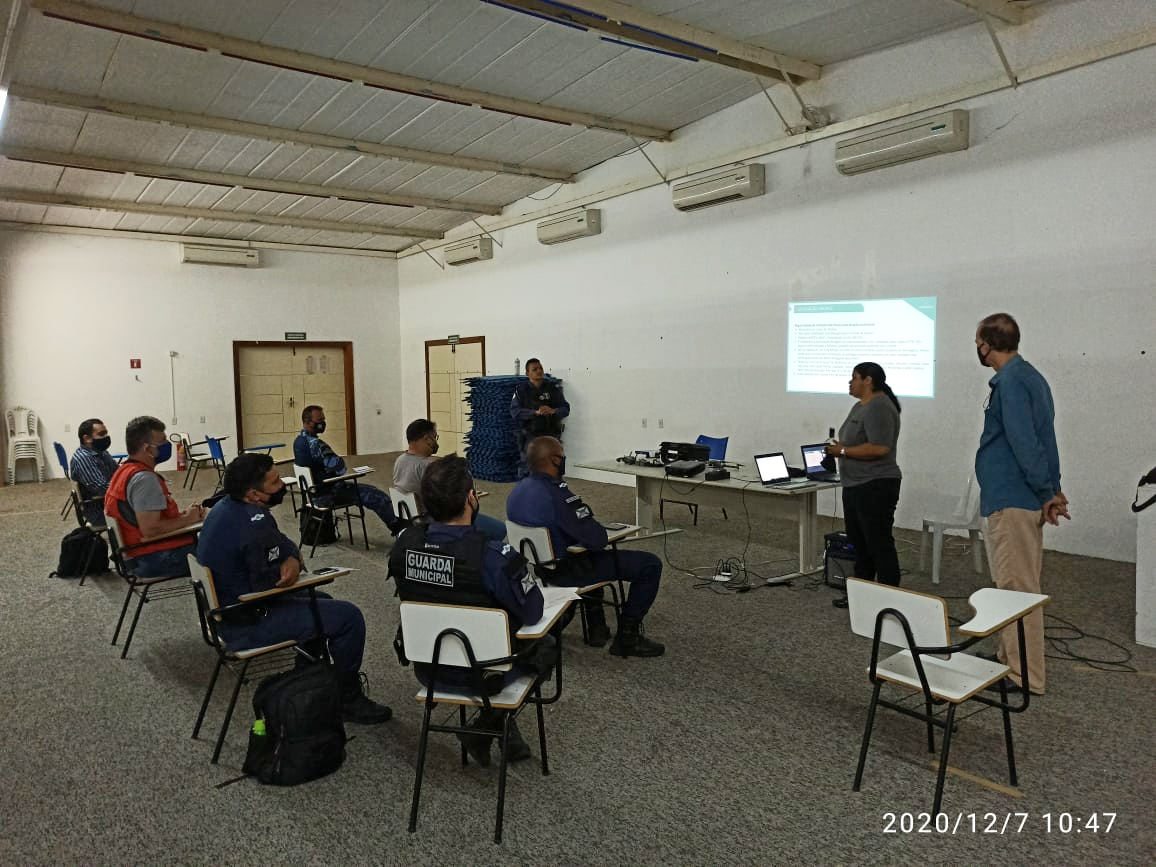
(298, 735)
(82, 552)
(326, 534)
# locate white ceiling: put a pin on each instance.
(55, 67)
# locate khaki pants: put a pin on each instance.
(1014, 539)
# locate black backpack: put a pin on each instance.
(303, 736)
(326, 534)
(82, 552)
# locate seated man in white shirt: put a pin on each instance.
(409, 469)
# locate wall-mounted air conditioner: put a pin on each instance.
(472, 250)
(913, 140)
(203, 254)
(567, 227)
(743, 182)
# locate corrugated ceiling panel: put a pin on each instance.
(39, 126)
(121, 138)
(249, 20)
(22, 213)
(32, 176)
(99, 185)
(45, 41)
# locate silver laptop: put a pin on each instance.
(773, 472)
(813, 457)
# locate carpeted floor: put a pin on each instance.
(738, 747)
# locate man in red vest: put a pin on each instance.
(140, 502)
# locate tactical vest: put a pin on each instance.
(445, 573)
(532, 398)
(116, 507)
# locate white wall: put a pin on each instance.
(683, 316)
(74, 309)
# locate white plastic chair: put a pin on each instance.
(23, 442)
(401, 499)
(965, 517)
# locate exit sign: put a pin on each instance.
(294, 335)
(454, 339)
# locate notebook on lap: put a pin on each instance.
(813, 456)
(773, 472)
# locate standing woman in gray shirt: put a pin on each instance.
(867, 450)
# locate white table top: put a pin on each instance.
(752, 485)
(550, 614)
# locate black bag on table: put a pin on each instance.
(82, 552)
(303, 737)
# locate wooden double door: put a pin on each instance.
(447, 364)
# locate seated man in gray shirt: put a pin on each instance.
(409, 469)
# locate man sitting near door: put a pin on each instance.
(309, 450)
(410, 467)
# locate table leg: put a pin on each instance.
(808, 514)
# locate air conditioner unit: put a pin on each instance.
(913, 140)
(743, 182)
(472, 250)
(582, 224)
(202, 254)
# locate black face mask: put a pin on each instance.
(319, 428)
(433, 449)
(275, 499)
(474, 509)
(102, 444)
(982, 356)
(561, 466)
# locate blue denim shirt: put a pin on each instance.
(1018, 462)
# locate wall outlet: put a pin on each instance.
(202, 419)
(660, 424)
(644, 422)
(68, 428)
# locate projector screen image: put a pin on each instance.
(826, 339)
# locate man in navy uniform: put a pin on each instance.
(246, 552)
(309, 450)
(478, 572)
(544, 500)
(538, 407)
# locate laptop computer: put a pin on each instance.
(813, 457)
(773, 472)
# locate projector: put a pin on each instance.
(685, 469)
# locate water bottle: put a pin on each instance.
(831, 440)
(517, 366)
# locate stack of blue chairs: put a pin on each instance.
(492, 443)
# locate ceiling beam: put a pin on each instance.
(137, 111)
(667, 34)
(1001, 9)
(197, 176)
(244, 49)
(36, 197)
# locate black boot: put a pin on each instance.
(356, 706)
(630, 640)
(597, 632)
(478, 745)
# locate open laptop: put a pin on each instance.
(773, 472)
(813, 457)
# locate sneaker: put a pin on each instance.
(631, 641)
(363, 710)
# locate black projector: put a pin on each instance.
(685, 469)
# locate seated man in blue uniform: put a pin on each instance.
(482, 573)
(309, 450)
(246, 553)
(544, 500)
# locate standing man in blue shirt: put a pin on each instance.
(92, 467)
(1018, 469)
(539, 408)
(543, 499)
(309, 450)
(246, 552)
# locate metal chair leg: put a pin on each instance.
(1007, 736)
(208, 695)
(542, 735)
(866, 737)
(947, 725)
(229, 712)
(930, 728)
(124, 608)
(423, 741)
(144, 597)
(502, 778)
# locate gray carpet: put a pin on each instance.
(738, 747)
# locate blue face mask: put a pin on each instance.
(164, 452)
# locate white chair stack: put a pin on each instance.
(23, 442)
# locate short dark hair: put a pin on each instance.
(139, 431)
(247, 471)
(1000, 331)
(446, 486)
(307, 413)
(84, 429)
(419, 428)
(530, 361)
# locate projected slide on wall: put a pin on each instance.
(826, 339)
